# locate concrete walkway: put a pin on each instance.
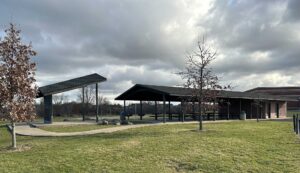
(26, 130)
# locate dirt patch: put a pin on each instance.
(181, 166)
(19, 148)
(131, 143)
(202, 131)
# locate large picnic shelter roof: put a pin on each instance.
(156, 93)
(70, 84)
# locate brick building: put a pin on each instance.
(287, 92)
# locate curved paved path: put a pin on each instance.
(26, 130)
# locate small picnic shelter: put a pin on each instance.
(81, 82)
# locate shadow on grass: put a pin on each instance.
(181, 166)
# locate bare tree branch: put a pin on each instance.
(199, 77)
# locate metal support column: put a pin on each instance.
(182, 112)
(170, 115)
(240, 108)
(294, 122)
(48, 109)
(251, 111)
(228, 112)
(155, 110)
(141, 109)
(97, 103)
(164, 108)
(298, 125)
(124, 107)
(257, 111)
(123, 114)
(83, 106)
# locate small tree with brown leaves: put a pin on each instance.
(17, 82)
(200, 78)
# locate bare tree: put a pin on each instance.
(59, 99)
(89, 95)
(200, 78)
(68, 107)
(103, 100)
(103, 105)
(89, 98)
(17, 82)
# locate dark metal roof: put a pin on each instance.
(289, 92)
(70, 84)
(274, 88)
(153, 92)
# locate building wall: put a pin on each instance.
(246, 106)
(253, 111)
(289, 92)
(266, 110)
(282, 109)
(237, 105)
(293, 105)
(273, 110)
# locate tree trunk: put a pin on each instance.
(200, 99)
(200, 117)
(13, 135)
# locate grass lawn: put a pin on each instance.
(229, 147)
(74, 128)
(290, 113)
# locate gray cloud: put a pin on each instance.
(293, 13)
(144, 41)
(255, 37)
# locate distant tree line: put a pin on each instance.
(63, 107)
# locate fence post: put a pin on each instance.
(294, 122)
(298, 130)
(297, 125)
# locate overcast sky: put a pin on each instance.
(145, 41)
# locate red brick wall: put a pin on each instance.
(282, 109)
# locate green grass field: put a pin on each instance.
(291, 113)
(228, 147)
